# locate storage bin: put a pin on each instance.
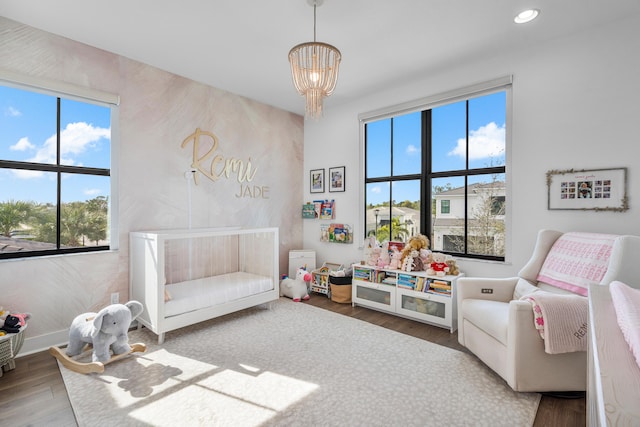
(340, 289)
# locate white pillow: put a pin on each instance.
(626, 301)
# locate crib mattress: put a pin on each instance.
(209, 291)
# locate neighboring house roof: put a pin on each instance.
(472, 188)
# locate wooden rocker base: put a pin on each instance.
(91, 367)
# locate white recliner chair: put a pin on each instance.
(498, 327)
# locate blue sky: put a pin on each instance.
(28, 134)
(486, 141)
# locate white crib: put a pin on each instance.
(205, 273)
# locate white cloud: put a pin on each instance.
(22, 145)
(376, 190)
(12, 112)
(412, 149)
(92, 191)
(486, 141)
(74, 140)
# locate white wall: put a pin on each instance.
(575, 105)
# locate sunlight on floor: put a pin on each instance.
(200, 393)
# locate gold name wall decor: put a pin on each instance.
(221, 167)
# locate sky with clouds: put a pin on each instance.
(487, 139)
(28, 134)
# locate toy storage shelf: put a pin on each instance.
(414, 295)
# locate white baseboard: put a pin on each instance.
(43, 342)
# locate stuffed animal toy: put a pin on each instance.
(374, 256)
(14, 321)
(384, 259)
(396, 259)
(415, 243)
(425, 256)
(416, 264)
(407, 261)
(438, 266)
(296, 289)
(104, 330)
(453, 267)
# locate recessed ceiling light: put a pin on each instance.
(526, 16)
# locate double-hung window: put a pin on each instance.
(438, 168)
(55, 172)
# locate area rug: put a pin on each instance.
(294, 365)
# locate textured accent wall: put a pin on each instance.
(158, 111)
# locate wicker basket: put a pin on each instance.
(10, 346)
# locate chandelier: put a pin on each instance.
(314, 67)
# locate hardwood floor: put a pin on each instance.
(33, 394)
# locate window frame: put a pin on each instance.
(62, 90)
(425, 105)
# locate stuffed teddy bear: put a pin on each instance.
(296, 289)
(104, 330)
(415, 243)
(438, 266)
(453, 267)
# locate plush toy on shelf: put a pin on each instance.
(296, 289)
(438, 266)
(396, 259)
(415, 243)
(453, 267)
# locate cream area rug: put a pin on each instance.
(294, 365)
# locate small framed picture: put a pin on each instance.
(336, 179)
(317, 181)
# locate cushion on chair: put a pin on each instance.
(523, 287)
(490, 316)
(577, 260)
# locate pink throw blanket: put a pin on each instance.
(561, 321)
(577, 260)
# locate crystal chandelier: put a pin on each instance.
(314, 67)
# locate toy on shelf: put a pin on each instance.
(415, 243)
(438, 266)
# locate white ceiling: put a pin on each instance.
(242, 46)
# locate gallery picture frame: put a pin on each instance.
(316, 181)
(336, 179)
(588, 189)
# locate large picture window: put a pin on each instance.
(441, 171)
(55, 174)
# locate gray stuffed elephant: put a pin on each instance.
(106, 329)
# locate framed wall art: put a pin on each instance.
(317, 181)
(588, 189)
(336, 179)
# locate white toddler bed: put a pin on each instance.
(187, 276)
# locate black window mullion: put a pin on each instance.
(59, 179)
(425, 178)
(466, 182)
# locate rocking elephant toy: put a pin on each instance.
(106, 331)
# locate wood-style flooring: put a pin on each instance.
(33, 394)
